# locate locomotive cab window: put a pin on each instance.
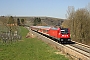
(64, 31)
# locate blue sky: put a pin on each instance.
(49, 8)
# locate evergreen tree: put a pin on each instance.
(37, 21)
(22, 21)
(18, 22)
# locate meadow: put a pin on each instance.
(28, 49)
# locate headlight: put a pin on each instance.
(61, 39)
(68, 39)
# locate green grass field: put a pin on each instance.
(28, 49)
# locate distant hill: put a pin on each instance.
(50, 21)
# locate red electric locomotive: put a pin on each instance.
(61, 34)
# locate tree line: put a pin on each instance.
(79, 23)
(36, 21)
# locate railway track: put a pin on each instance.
(82, 47)
(78, 47)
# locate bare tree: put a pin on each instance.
(71, 16)
(78, 22)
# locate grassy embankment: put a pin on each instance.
(28, 49)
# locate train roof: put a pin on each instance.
(54, 28)
(42, 27)
(46, 27)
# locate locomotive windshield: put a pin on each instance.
(64, 31)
